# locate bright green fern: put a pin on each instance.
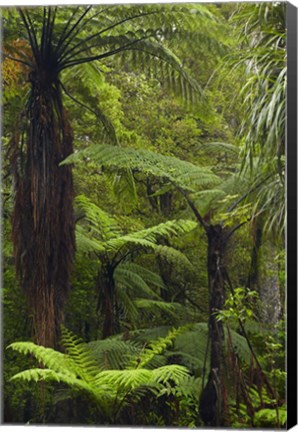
(110, 389)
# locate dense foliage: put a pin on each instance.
(143, 215)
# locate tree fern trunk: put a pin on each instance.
(43, 221)
(212, 406)
(109, 309)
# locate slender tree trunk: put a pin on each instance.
(107, 300)
(212, 405)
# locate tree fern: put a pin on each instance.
(134, 287)
(106, 234)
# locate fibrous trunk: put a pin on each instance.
(212, 406)
(43, 221)
(107, 300)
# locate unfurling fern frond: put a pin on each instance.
(181, 173)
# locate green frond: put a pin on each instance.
(135, 283)
(174, 256)
(86, 243)
(149, 237)
(103, 233)
(157, 305)
(181, 173)
(48, 375)
(124, 380)
(175, 373)
(125, 298)
(151, 278)
(190, 345)
(102, 223)
(91, 80)
(158, 347)
(110, 388)
(223, 147)
(189, 387)
(54, 360)
(78, 351)
(193, 343)
(112, 353)
(207, 199)
(124, 187)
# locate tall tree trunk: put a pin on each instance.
(43, 220)
(212, 405)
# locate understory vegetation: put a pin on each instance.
(144, 214)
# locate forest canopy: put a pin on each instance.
(144, 215)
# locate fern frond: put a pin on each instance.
(106, 234)
(151, 278)
(157, 305)
(189, 386)
(159, 346)
(149, 237)
(181, 173)
(48, 375)
(91, 80)
(125, 277)
(112, 353)
(85, 243)
(175, 373)
(110, 388)
(54, 360)
(124, 380)
(102, 223)
(174, 256)
(205, 200)
(78, 351)
(146, 238)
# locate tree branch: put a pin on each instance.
(88, 39)
(248, 193)
(193, 208)
(100, 56)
